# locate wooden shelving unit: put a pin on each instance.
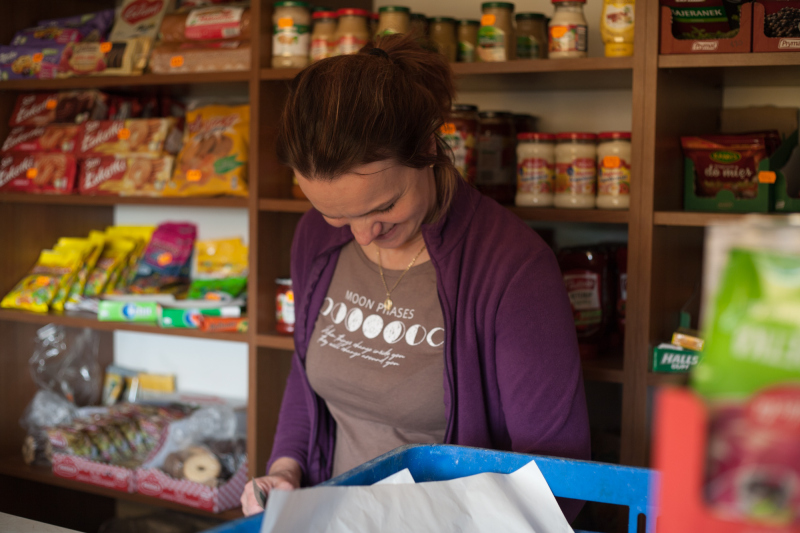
(74, 199)
(106, 82)
(688, 218)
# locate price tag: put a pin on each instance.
(448, 128)
(32, 173)
(51, 104)
(558, 31)
(124, 134)
(611, 161)
(37, 58)
(488, 20)
(285, 22)
(164, 259)
(193, 175)
(176, 61)
(105, 47)
(766, 176)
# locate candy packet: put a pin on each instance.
(220, 271)
(53, 270)
(98, 240)
(113, 257)
(141, 236)
(84, 247)
(166, 264)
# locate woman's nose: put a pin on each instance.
(365, 231)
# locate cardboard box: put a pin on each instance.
(190, 318)
(739, 43)
(761, 11)
(94, 473)
(114, 311)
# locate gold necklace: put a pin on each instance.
(387, 304)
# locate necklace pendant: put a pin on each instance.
(388, 304)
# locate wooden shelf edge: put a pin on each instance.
(73, 199)
(752, 59)
(15, 467)
(280, 342)
(656, 379)
(278, 74)
(284, 205)
(86, 320)
(605, 369)
(691, 218)
(571, 215)
(126, 81)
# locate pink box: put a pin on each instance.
(100, 474)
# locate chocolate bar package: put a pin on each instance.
(128, 176)
(27, 62)
(92, 27)
(38, 109)
(118, 137)
(50, 138)
(45, 36)
(51, 173)
(117, 58)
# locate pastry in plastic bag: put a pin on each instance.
(213, 160)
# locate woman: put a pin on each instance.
(425, 312)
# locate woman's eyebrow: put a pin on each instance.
(379, 208)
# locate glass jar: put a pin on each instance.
(393, 19)
(374, 19)
(616, 27)
(323, 38)
(284, 306)
(568, 32)
(576, 174)
(419, 24)
(497, 168)
(443, 34)
(614, 170)
(535, 169)
(524, 123)
(460, 133)
(352, 32)
(496, 40)
(467, 40)
(290, 35)
(531, 36)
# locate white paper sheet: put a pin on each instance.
(520, 502)
(402, 477)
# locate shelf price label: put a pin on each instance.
(124, 134)
(37, 58)
(488, 20)
(193, 175)
(31, 173)
(176, 61)
(51, 103)
(105, 47)
(766, 176)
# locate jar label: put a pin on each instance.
(527, 47)
(613, 177)
(492, 44)
(577, 177)
(284, 308)
(568, 38)
(466, 52)
(535, 175)
(619, 15)
(349, 44)
(583, 290)
(290, 41)
(321, 49)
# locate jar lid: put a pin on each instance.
(520, 116)
(284, 281)
(469, 22)
(529, 16)
(322, 8)
(495, 114)
(323, 15)
(348, 11)
(442, 19)
(375, 16)
(502, 5)
(394, 9)
(291, 3)
(464, 107)
(539, 137)
(418, 16)
(568, 1)
(576, 136)
(613, 135)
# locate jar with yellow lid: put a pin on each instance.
(394, 19)
(496, 40)
(467, 40)
(291, 38)
(442, 31)
(352, 32)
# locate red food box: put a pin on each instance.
(35, 109)
(775, 26)
(131, 176)
(49, 173)
(38, 109)
(50, 138)
(118, 137)
(94, 473)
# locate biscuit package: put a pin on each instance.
(92, 27)
(130, 176)
(53, 270)
(46, 36)
(117, 58)
(31, 61)
(200, 56)
(139, 18)
(209, 23)
(39, 109)
(213, 160)
(52, 173)
(50, 138)
(144, 137)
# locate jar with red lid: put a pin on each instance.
(535, 169)
(352, 31)
(585, 271)
(524, 123)
(613, 169)
(460, 133)
(497, 165)
(284, 306)
(576, 170)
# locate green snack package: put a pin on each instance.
(169, 317)
(669, 358)
(753, 332)
(217, 289)
(111, 311)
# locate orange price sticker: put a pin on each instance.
(766, 176)
(105, 47)
(285, 22)
(448, 128)
(37, 58)
(31, 173)
(558, 31)
(290, 296)
(488, 20)
(124, 134)
(193, 175)
(176, 61)
(41, 281)
(51, 104)
(164, 259)
(611, 161)
(213, 296)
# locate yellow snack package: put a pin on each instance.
(213, 160)
(115, 253)
(222, 258)
(140, 235)
(82, 246)
(98, 240)
(36, 290)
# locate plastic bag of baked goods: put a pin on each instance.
(213, 160)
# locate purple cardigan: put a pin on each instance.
(512, 377)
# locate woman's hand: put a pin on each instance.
(284, 475)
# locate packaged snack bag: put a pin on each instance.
(726, 162)
(131, 176)
(31, 61)
(140, 236)
(220, 270)
(38, 109)
(45, 36)
(92, 27)
(144, 137)
(98, 240)
(113, 258)
(117, 58)
(166, 263)
(50, 138)
(213, 160)
(52, 173)
(53, 270)
(84, 247)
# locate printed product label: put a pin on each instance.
(285, 308)
(216, 22)
(568, 38)
(576, 178)
(535, 175)
(458, 146)
(349, 44)
(321, 49)
(466, 52)
(527, 47)
(290, 41)
(583, 290)
(619, 15)
(490, 160)
(492, 44)
(614, 177)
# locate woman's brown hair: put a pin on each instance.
(385, 102)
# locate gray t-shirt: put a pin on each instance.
(380, 372)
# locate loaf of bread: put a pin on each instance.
(206, 24)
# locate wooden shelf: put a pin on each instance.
(73, 199)
(88, 320)
(688, 218)
(282, 205)
(15, 467)
(274, 340)
(99, 82)
(655, 379)
(605, 369)
(740, 70)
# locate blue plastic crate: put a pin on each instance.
(581, 480)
